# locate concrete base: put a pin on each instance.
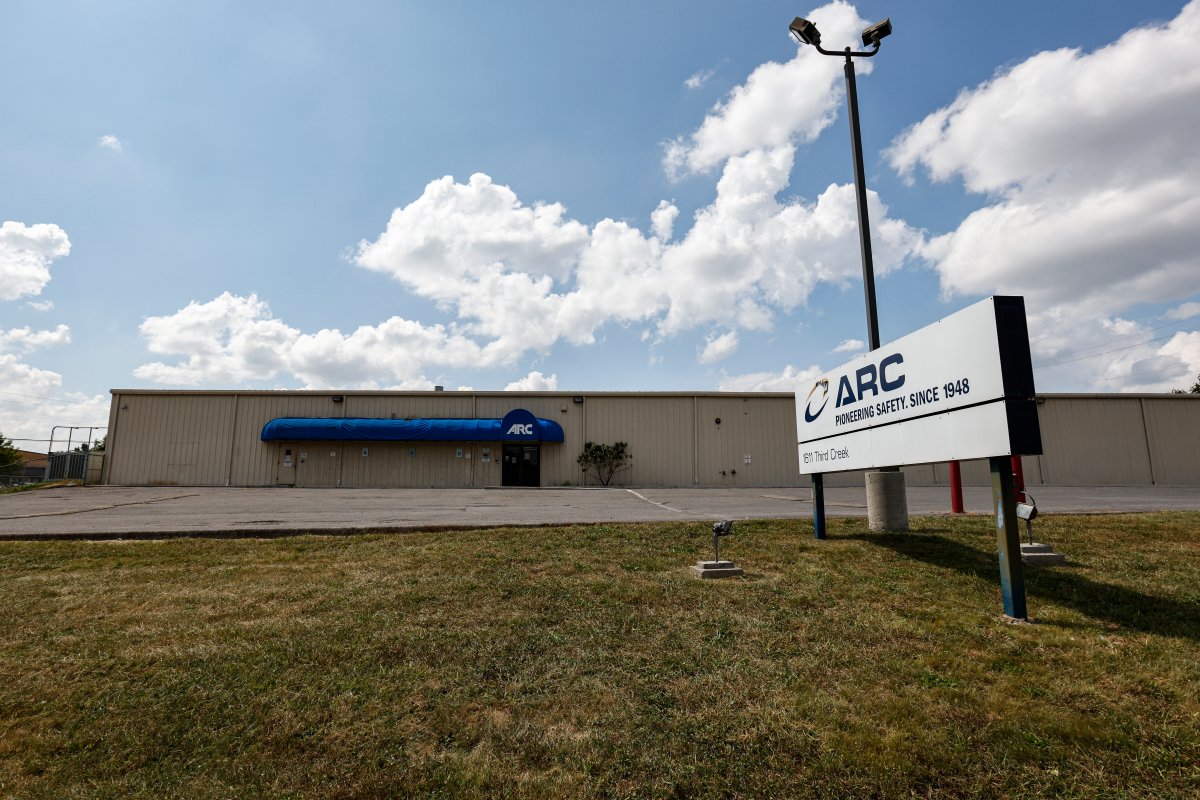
(715, 569)
(1038, 553)
(887, 504)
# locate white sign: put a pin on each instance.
(958, 389)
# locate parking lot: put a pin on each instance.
(154, 512)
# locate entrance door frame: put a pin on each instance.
(285, 464)
(519, 471)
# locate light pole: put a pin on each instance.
(887, 507)
(807, 33)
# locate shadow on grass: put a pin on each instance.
(1102, 601)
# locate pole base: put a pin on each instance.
(1042, 554)
(887, 505)
(715, 569)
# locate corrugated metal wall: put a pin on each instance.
(1173, 433)
(661, 438)
(743, 449)
(212, 438)
(176, 439)
(1087, 443)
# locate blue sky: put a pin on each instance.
(646, 196)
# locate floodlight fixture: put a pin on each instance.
(872, 35)
(805, 32)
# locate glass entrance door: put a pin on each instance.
(521, 466)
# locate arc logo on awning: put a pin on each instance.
(519, 425)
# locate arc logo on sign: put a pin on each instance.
(823, 385)
(519, 425)
(869, 378)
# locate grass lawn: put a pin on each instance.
(586, 662)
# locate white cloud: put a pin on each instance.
(1088, 160)
(777, 104)
(717, 348)
(790, 379)
(40, 305)
(1074, 352)
(1185, 311)
(534, 382)
(851, 346)
(520, 278)
(699, 78)
(1152, 367)
(110, 142)
(456, 233)
(26, 252)
(662, 221)
(1185, 348)
(26, 339)
(234, 339)
(31, 399)
(746, 255)
(32, 402)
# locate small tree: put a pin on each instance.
(604, 460)
(10, 457)
(1194, 390)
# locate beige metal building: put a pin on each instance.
(210, 438)
(216, 438)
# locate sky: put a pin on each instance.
(552, 196)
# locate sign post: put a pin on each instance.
(818, 495)
(1008, 538)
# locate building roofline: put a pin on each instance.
(1123, 395)
(564, 394)
(447, 393)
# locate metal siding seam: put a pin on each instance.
(1146, 435)
(232, 439)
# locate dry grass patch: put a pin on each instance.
(584, 661)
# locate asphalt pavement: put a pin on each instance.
(120, 512)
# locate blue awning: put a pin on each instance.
(363, 429)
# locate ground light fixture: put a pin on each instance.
(895, 510)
